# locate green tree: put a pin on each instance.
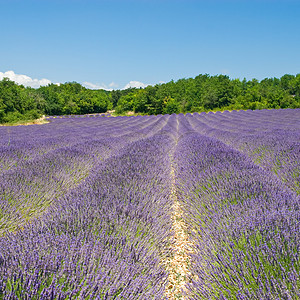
(170, 106)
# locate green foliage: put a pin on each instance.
(125, 103)
(206, 93)
(170, 106)
(202, 93)
(73, 98)
(18, 103)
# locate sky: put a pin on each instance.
(120, 43)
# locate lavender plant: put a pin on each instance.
(243, 224)
(86, 207)
(105, 238)
(270, 138)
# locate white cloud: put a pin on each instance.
(94, 86)
(36, 83)
(135, 84)
(102, 86)
(24, 79)
(113, 85)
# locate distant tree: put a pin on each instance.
(126, 103)
(17, 102)
(170, 106)
(115, 96)
(202, 93)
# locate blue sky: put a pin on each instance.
(111, 43)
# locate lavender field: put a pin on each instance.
(202, 206)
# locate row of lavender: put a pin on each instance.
(106, 237)
(85, 206)
(243, 213)
(270, 138)
(41, 163)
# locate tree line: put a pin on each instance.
(202, 93)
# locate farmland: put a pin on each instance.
(195, 206)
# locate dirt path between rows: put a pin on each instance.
(178, 264)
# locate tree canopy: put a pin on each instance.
(202, 93)
(205, 93)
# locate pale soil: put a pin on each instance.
(39, 121)
(178, 264)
